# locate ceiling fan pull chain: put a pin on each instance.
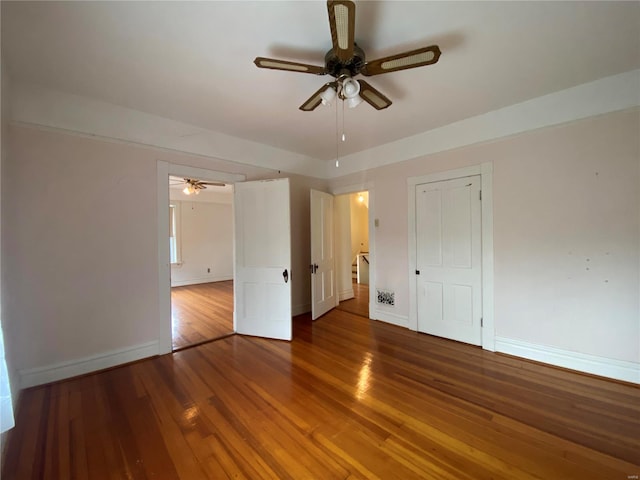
(343, 135)
(337, 143)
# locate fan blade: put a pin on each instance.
(213, 184)
(274, 64)
(372, 96)
(342, 22)
(315, 99)
(414, 58)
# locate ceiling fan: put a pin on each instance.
(346, 60)
(193, 186)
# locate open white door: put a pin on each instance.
(262, 284)
(323, 277)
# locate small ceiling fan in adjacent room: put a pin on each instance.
(192, 186)
(346, 60)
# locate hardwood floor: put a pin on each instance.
(201, 312)
(358, 305)
(348, 398)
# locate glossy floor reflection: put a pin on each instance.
(201, 312)
(347, 398)
(358, 305)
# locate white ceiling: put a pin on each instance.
(193, 61)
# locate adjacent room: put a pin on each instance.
(352, 252)
(201, 256)
(320, 240)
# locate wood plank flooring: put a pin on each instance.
(358, 305)
(201, 312)
(348, 398)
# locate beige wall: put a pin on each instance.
(566, 232)
(205, 232)
(79, 244)
(79, 234)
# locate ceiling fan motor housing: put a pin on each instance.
(346, 60)
(351, 67)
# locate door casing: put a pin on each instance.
(485, 170)
(163, 170)
(369, 187)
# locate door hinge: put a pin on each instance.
(480, 194)
(481, 322)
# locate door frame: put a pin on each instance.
(485, 170)
(163, 170)
(369, 187)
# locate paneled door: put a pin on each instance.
(448, 259)
(262, 287)
(323, 269)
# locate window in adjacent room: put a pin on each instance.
(174, 229)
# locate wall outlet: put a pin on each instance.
(385, 297)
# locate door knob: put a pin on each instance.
(285, 274)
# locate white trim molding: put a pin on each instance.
(582, 362)
(59, 371)
(200, 280)
(43, 107)
(300, 309)
(366, 187)
(389, 317)
(346, 294)
(606, 95)
(485, 170)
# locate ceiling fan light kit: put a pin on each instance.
(346, 60)
(193, 186)
(350, 88)
(328, 95)
(191, 190)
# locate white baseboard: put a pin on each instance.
(300, 309)
(346, 294)
(392, 318)
(199, 280)
(52, 373)
(582, 362)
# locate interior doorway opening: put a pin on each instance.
(353, 252)
(201, 239)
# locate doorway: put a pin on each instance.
(354, 256)
(484, 175)
(201, 257)
(163, 171)
(255, 290)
